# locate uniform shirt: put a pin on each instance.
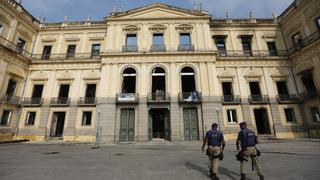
(247, 138)
(214, 138)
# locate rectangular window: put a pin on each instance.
(6, 116)
(317, 22)
(86, 118)
(64, 91)
(315, 114)
(232, 116)
(1, 29)
(255, 88)
(185, 39)
(282, 88)
(30, 119)
(12, 84)
(21, 44)
(297, 40)
(290, 115)
(227, 88)
(37, 91)
(307, 80)
(46, 52)
(131, 40)
(157, 39)
(246, 45)
(91, 91)
(272, 48)
(95, 50)
(71, 51)
(221, 46)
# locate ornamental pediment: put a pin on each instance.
(156, 11)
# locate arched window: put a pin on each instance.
(129, 81)
(158, 80)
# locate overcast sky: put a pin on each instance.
(55, 10)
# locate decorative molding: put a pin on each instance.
(131, 28)
(277, 77)
(184, 28)
(49, 40)
(4, 19)
(39, 79)
(72, 39)
(96, 38)
(158, 28)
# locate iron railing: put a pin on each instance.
(7, 99)
(87, 101)
(130, 48)
(190, 97)
(186, 47)
(158, 48)
(64, 56)
(32, 101)
(287, 98)
(231, 99)
(309, 95)
(253, 53)
(127, 98)
(158, 97)
(60, 101)
(305, 42)
(14, 47)
(259, 99)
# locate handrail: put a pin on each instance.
(13, 47)
(305, 42)
(252, 53)
(65, 56)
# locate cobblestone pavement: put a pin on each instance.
(281, 159)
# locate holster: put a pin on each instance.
(258, 152)
(241, 156)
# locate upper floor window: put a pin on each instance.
(86, 118)
(71, 51)
(317, 21)
(131, 43)
(232, 116)
(307, 80)
(21, 44)
(31, 117)
(246, 45)
(297, 40)
(158, 42)
(272, 48)
(46, 52)
(185, 42)
(6, 116)
(37, 94)
(129, 81)
(290, 115)
(1, 28)
(95, 50)
(12, 84)
(282, 88)
(221, 45)
(315, 114)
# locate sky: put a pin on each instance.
(76, 10)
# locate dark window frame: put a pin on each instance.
(15, 87)
(86, 122)
(185, 34)
(317, 23)
(131, 35)
(233, 118)
(7, 122)
(27, 122)
(71, 51)
(315, 113)
(160, 34)
(95, 52)
(290, 115)
(46, 52)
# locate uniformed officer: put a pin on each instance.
(214, 139)
(248, 140)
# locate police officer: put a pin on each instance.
(214, 139)
(248, 140)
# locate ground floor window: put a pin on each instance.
(290, 115)
(315, 114)
(232, 116)
(31, 117)
(86, 118)
(6, 116)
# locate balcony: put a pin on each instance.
(158, 48)
(185, 47)
(253, 53)
(259, 99)
(308, 95)
(127, 98)
(305, 42)
(13, 47)
(287, 98)
(130, 48)
(158, 97)
(87, 101)
(231, 99)
(13, 100)
(32, 102)
(190, 97)
(76, 56)
(60, 101)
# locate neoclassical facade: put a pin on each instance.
(159, 73)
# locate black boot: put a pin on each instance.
(243, 177)
(215, 177)
(261, 177)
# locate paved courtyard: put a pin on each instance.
(282, 160)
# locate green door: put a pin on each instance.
(190, 119)
(127, 125)
(167, 125)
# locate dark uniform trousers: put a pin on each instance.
(214, 162)
(251, 152)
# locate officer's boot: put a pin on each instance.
(243, 177)
(261, 177)
(215, 177)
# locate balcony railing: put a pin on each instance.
(87, 101)
(305, 42)
(186, 47)
(259, 99)
(158, 97)
(13, 47)
(231, 99)
(130, 48)
(60, 101)
(309, 95)
(14, 100)
(287, 98)
(158, 48)
(127, 98)
(253, 53)
(32, 102)
(190, 97)
(77, 56)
